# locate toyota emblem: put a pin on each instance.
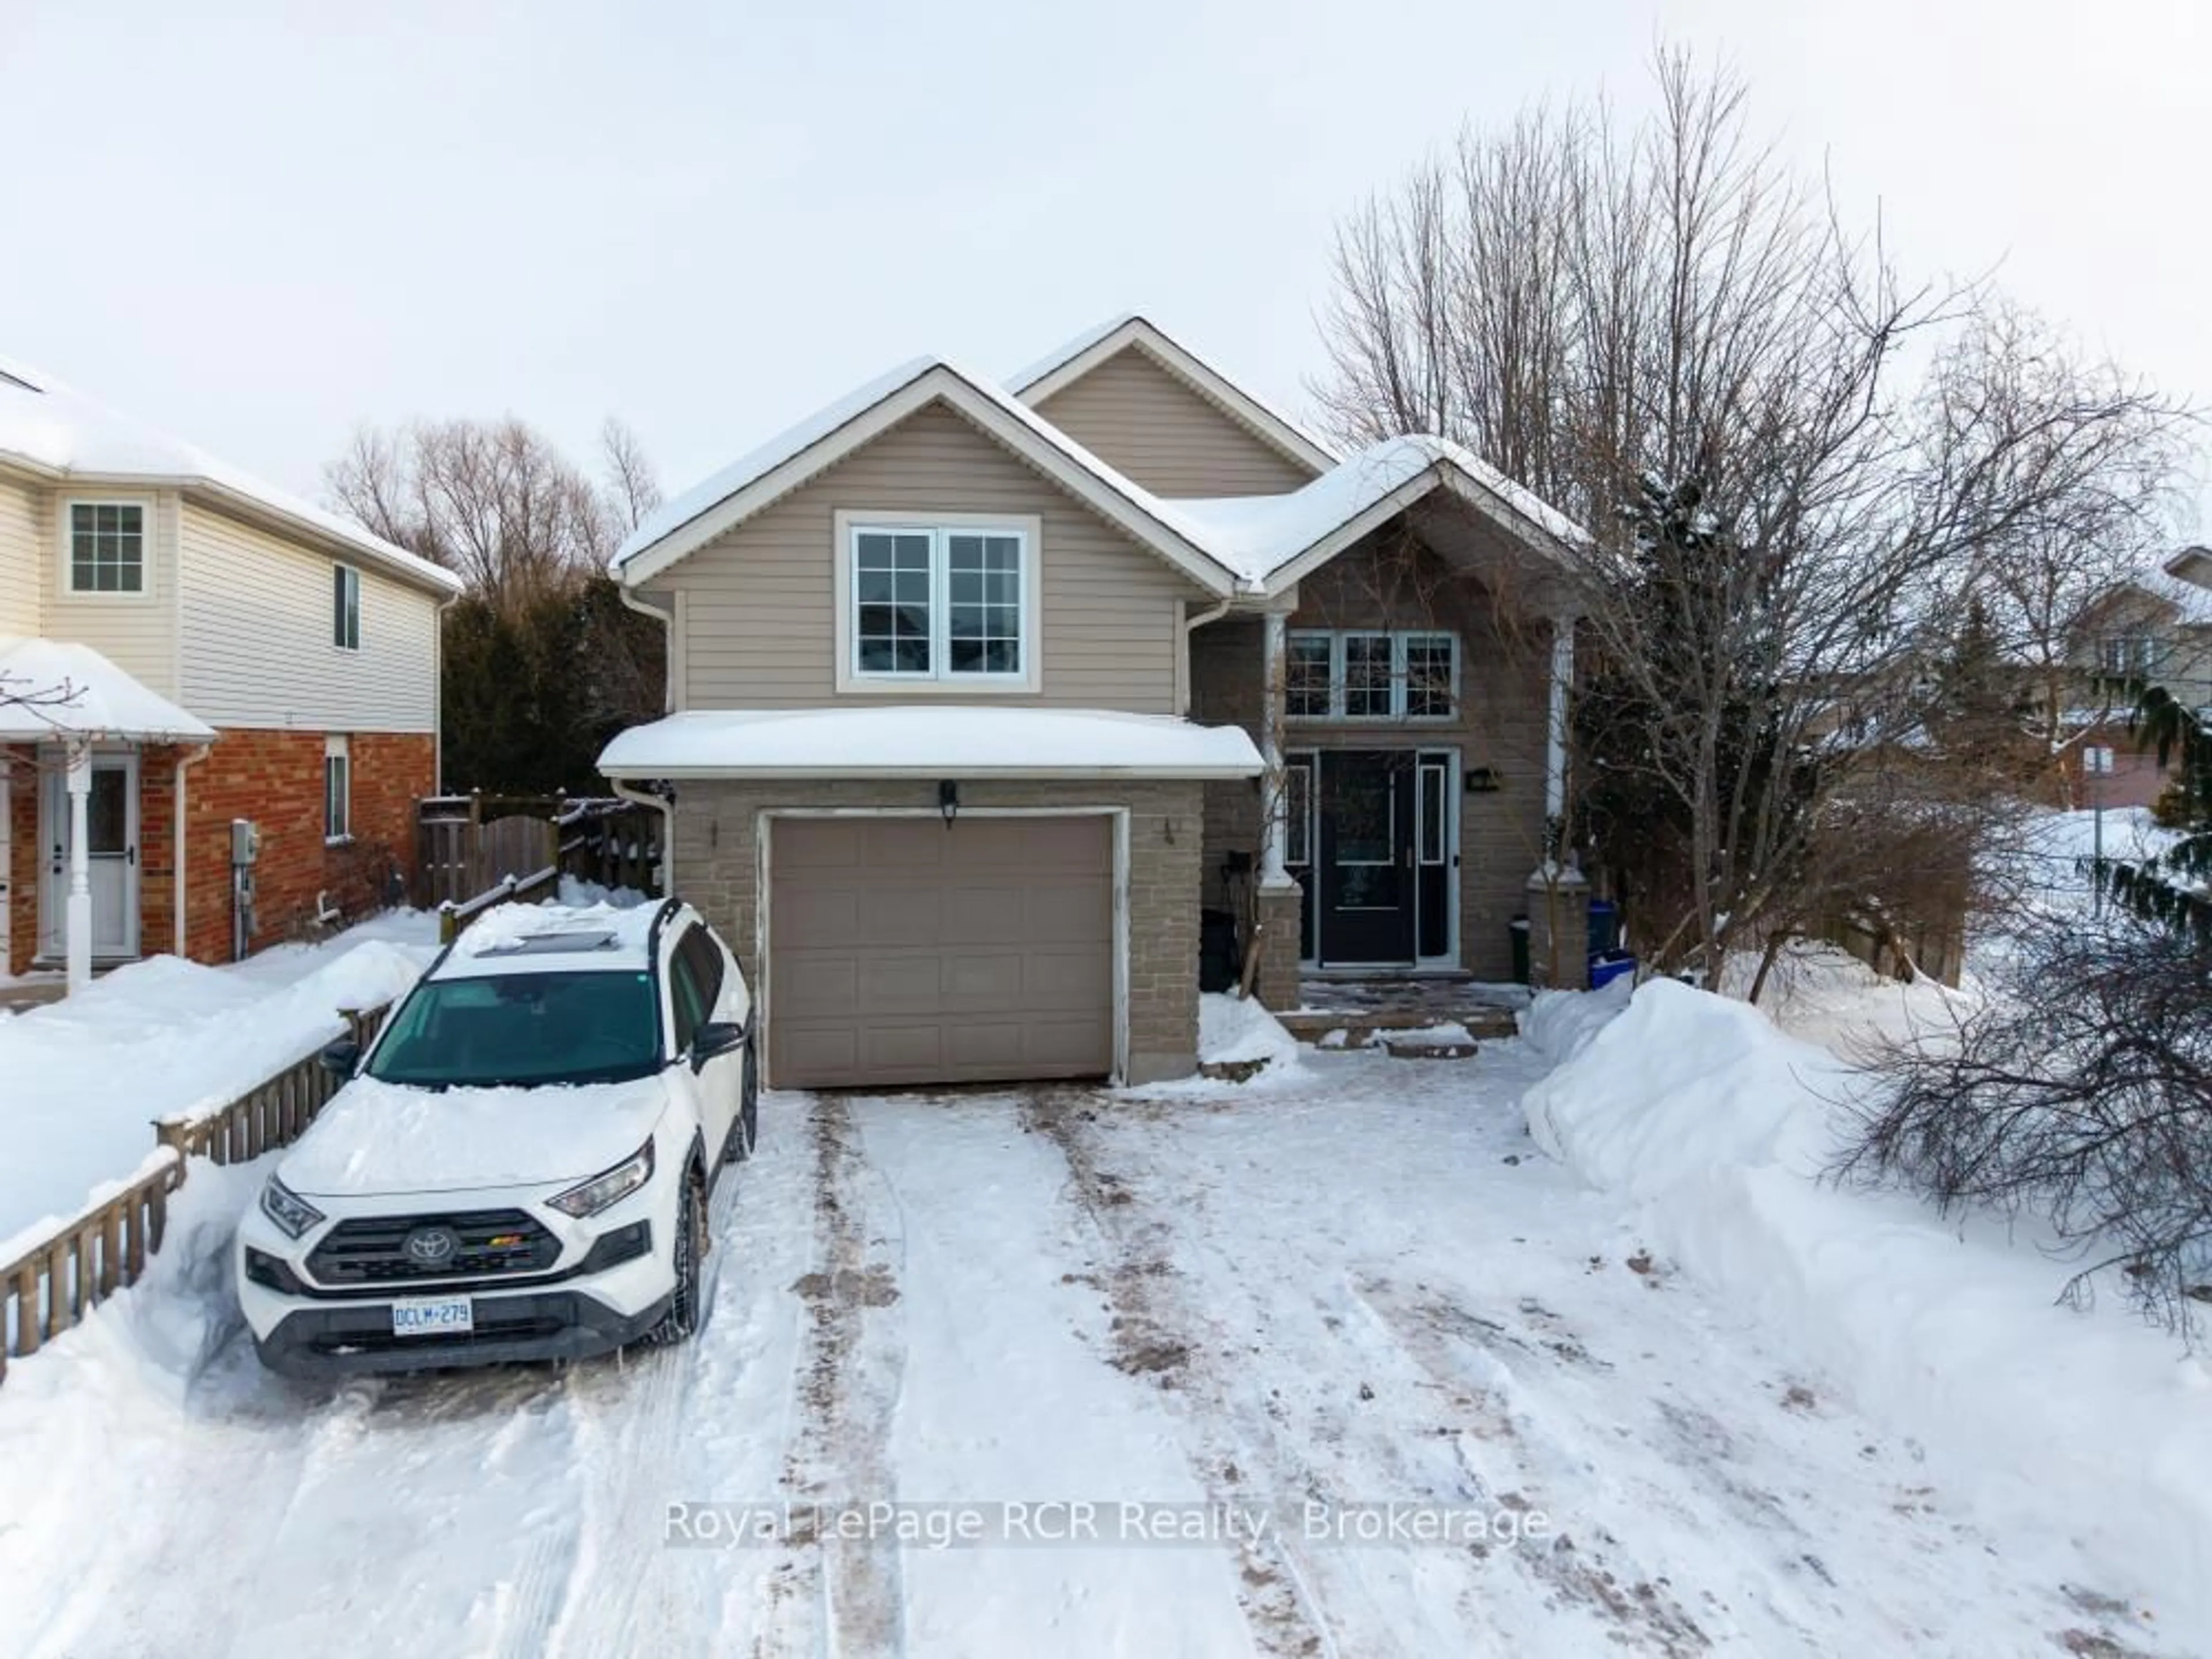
(431, 1245)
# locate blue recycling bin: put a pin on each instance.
(1610, 965)
(1604, 927)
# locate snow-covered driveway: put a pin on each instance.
(1358, 1286)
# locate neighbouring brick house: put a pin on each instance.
(982, 696)
(180, 638)
(2155, 629)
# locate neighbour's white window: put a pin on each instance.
(1358, 674)
(338, 789)
(107, 547)
(345, 607)
(2130, 654)
(940, 602)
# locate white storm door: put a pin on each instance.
(111, 858)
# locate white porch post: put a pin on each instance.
(1555, 741)
(1275, 806)
(79, 913)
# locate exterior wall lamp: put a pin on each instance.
(948, 801)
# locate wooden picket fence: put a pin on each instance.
(106, 1246)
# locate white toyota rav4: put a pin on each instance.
(520, 1166)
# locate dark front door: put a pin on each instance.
(1365, 867)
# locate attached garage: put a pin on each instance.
(948, 894)
(907, 949)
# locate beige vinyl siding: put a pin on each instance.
(22, 539)
(258, 645)
(757, 606)
(1136, 417)
(136, 632)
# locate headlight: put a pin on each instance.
(611, 1186)
(292, 1214)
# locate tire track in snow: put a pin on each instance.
(843, 1595)
(1156, 1337)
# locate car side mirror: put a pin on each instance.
(714, 1038)
(341, 1057)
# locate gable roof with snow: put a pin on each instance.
(1256, 545)
(788, 461)
(51, 429)
(1059, 370)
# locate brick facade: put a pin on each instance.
(717, 866)
(273, 777)
(1503, 672)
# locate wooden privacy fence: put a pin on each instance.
(468, 844)
(105, 1247)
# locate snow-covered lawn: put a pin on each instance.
(82, 1079)
(1353, 1282)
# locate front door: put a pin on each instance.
(1365, 867)
(112, 857)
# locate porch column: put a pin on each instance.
(1278, 903)
(78, 916)
(1555, 742)
(1274, 806)
(1559, 895)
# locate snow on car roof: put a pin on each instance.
(552, 939)
(928, 743)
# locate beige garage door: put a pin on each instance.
(900, 950)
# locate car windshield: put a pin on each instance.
(522, 1029)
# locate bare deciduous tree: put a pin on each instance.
(494, 502)
(1796, 465)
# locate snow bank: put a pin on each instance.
(1232, 1030)
(83, 1080)
(2088, 1426)
(574, 893)
(1559, 1024)
(160, 1334)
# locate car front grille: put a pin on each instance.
(467, 1245)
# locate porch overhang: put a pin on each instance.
(57, 691)
(931, 743)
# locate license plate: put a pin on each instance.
(434, 1315)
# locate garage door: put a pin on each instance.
(900, 950)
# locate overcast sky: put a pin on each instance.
(261, 224)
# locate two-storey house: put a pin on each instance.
(981, 694)
(2153, 629)
(183, 646)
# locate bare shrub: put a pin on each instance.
(2083, 1095)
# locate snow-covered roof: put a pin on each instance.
(788, 460)
(2183, 581)
(938, 742)
(1059, 370)
(1255, 543)
(1261, 537)
(52, 427)
(71, 690)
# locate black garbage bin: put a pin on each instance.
(1219, 961)
(1518, 928)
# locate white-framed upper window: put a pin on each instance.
(337, 788)
(1370, 674)
(945, 602)
(107, 546)
(345, 607)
